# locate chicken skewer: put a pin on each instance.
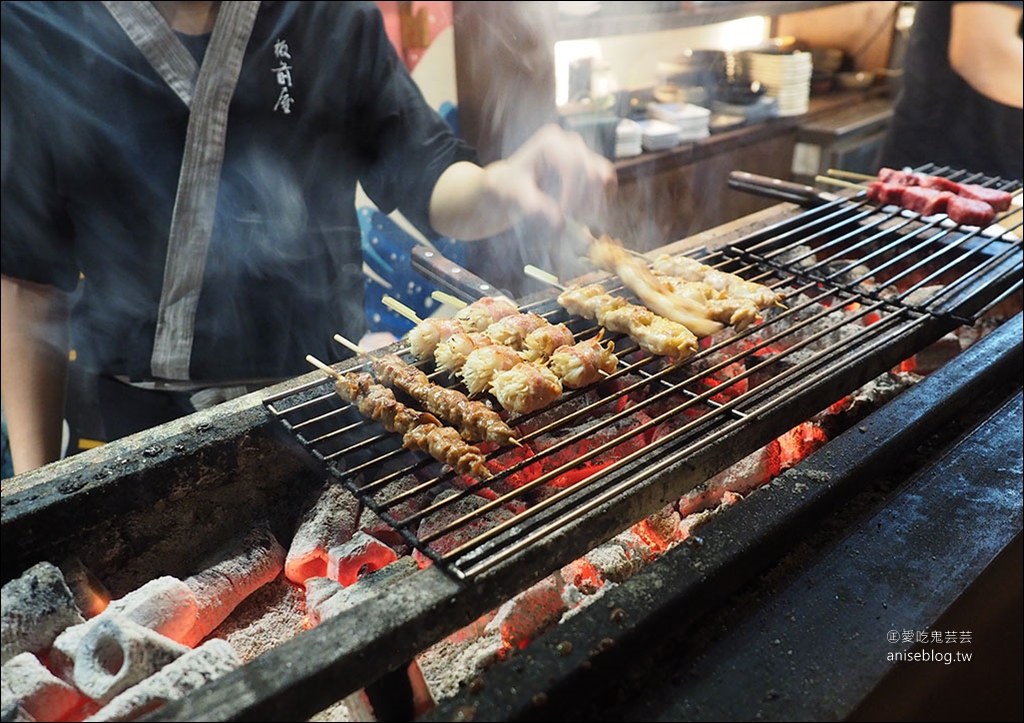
(475, 420)
(608, 254)
(420, 431)
(576, 364)
(654, 334)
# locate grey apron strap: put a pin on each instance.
(154, 37)
(194, 205)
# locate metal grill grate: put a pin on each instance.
(860, 285)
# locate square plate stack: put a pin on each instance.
(628, 139)
(693, 121)
(787, 77)
(658, 135)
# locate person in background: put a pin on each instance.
(178, 197)
(960, 103)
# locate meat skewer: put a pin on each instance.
(654, 334)
(734, 291)
(420, 431)
(475, 420)
(526, 387)
(583, 363)
(608, 254)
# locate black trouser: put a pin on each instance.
(125, 409)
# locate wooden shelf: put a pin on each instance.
(688, 15)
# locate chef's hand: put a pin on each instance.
(552, 178)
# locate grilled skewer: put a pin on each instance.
(654, 334)
(608, 254)
(475, 420)
(420, 430)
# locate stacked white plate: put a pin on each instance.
(692, 120)
(786, 76)
(628, 139)
(658, 135)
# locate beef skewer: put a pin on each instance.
(420, 431)
(475, 420)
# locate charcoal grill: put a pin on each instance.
(150, 504)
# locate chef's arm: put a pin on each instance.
(551, 177)
(35, 335)
(985, 49)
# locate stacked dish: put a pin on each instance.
(658, 135)
(692, 120)
(628, 139)
(787, 77)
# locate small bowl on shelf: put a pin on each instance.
(858, 80)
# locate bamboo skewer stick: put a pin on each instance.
(542, 276)
(838, 182)
(397, 306)
(839, 173)
(448, 299)
(328, 370)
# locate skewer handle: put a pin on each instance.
(838, 182)
(542, 275)
(328, 370)
(448, 299)
(397, 306)
(350, 345)
(839, 173)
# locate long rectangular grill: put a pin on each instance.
(901, 281)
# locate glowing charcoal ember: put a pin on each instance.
(620, 558)
(194, 669)
(238, 570)
(754, 470)
(530, 613)
(117, 653)
(31, 692)
(360, 555)
(326, 598)
(329, 519)
(37, 607)
(164, 604)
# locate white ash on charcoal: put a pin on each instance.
(756, 469)
(117, 653)
(859, 404)
(37, 607)
(329, 518)
(31, 692)
(620, 558)
(164, 604)
(194, 669)
(529, 613)
(451, 664)
(236, 571)
(857, 278)
(326, 597)
(355, 707)
(800, 255)
(360, 555)
(267, 618)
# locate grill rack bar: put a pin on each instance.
(777, 256)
